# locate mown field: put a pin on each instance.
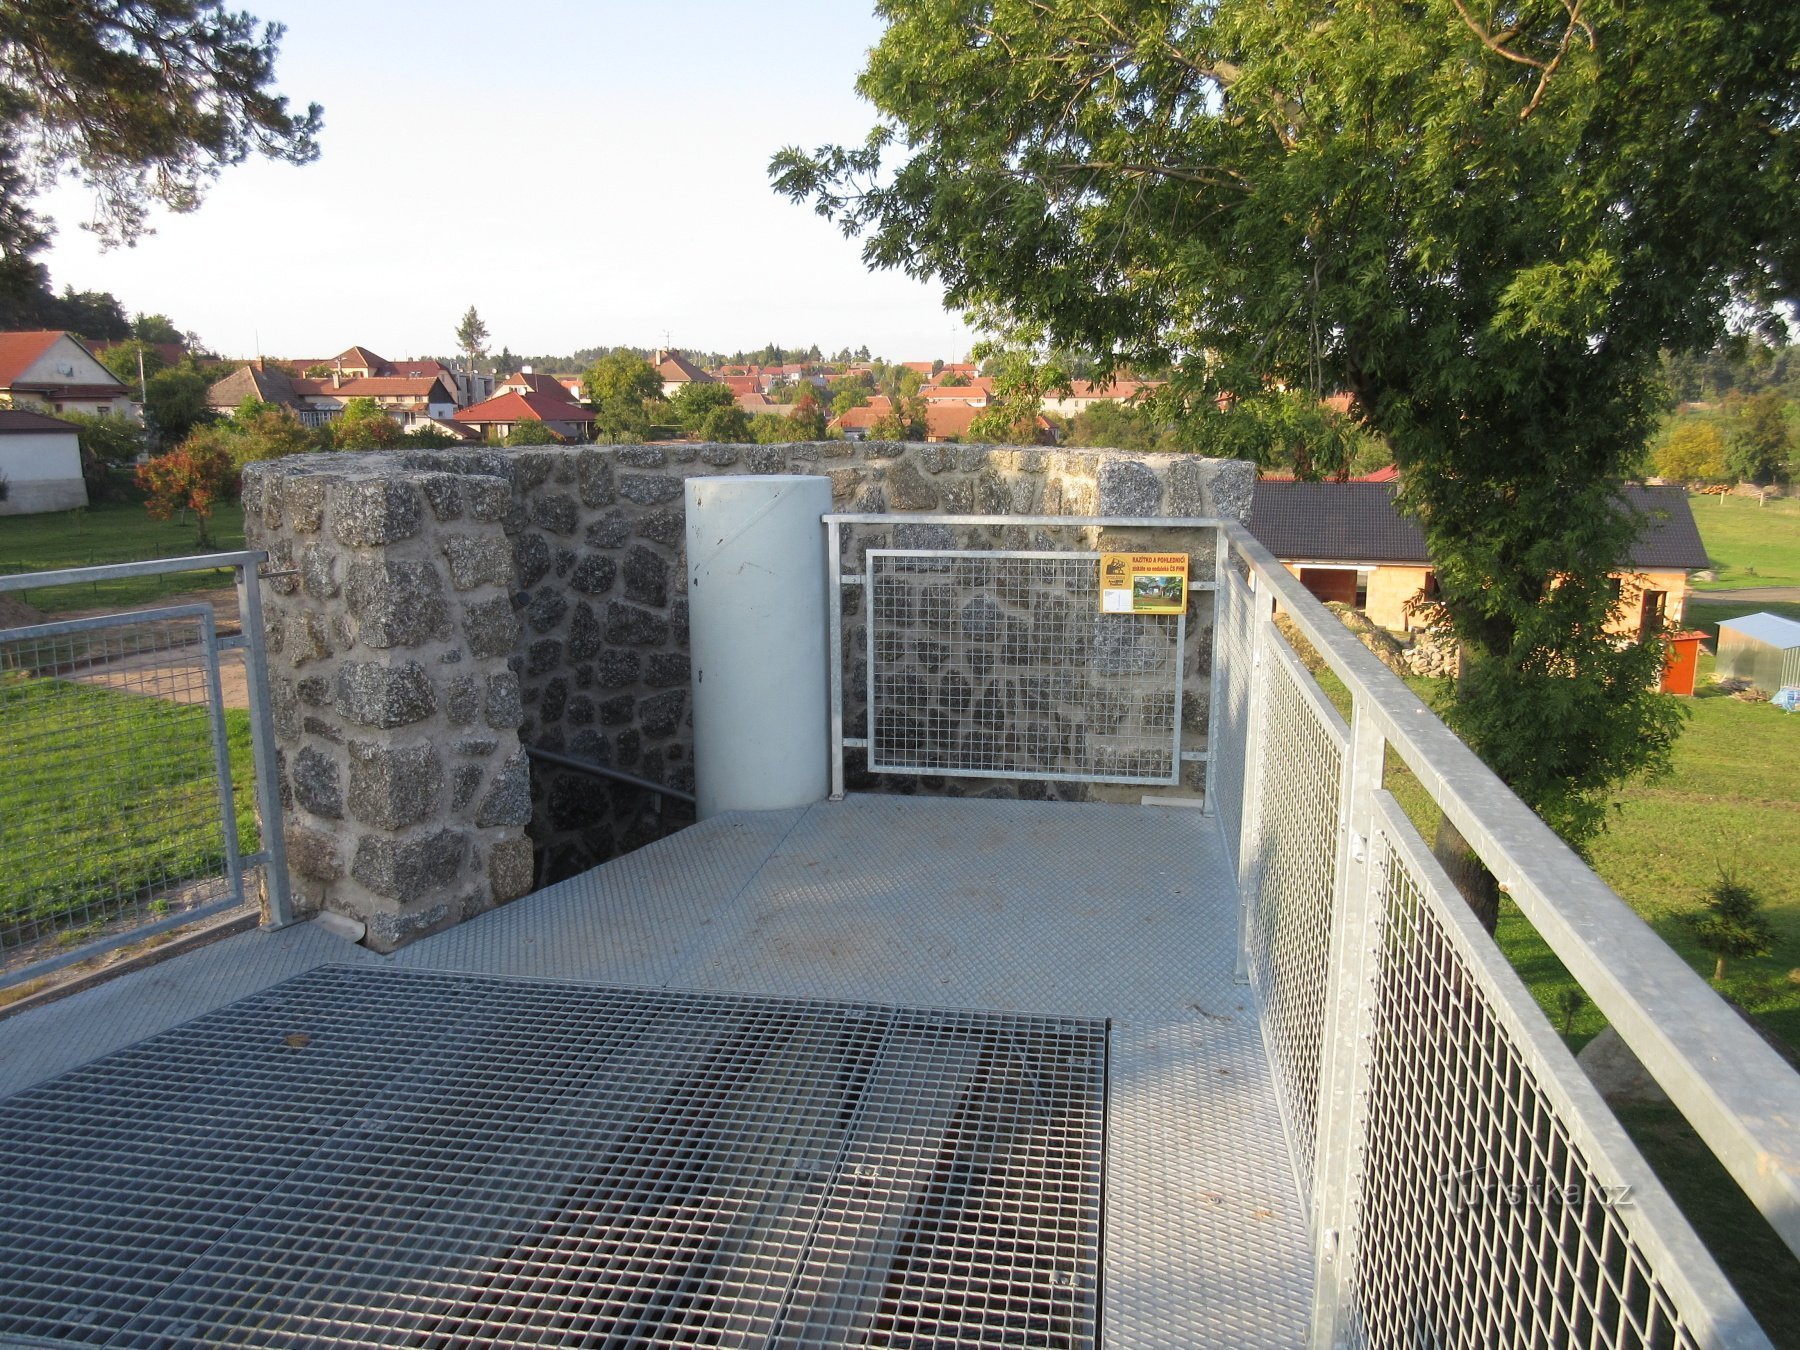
(114, 532)
(1749, 544)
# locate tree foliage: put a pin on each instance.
(1692, 451)
(530, 431)
(111, 440)
(617, 386)
(1487, 225)
(364, 426)
(175, 403)
(146, 100)
(1761, 441)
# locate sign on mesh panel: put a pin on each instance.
(113, 802)
(1001, 665)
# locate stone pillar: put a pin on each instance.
(405, 788)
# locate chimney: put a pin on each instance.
(337, 378)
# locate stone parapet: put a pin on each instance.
(435, 612)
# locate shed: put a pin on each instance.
(1761, 648)
(40, 459)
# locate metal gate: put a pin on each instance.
(121, 812)
(1000, 662)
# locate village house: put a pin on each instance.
(50, 371)
(1348, 542)
(40, 464)
(495, 418)
(527, 381)
(675, 370)
(412, 401)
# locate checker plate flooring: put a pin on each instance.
(383, 1156)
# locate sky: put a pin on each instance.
(582, 173)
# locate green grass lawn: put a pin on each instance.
(114, 532)
(110, 798)
(1750, 545)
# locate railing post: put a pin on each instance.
(280, 911)
(1345, 1051)
(1256, 707)
(1215, 691)
(834, 608)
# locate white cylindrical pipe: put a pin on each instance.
(757, 627)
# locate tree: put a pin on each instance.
(364, 426)
(1732, 923)
(697, 400)
(175, 403)
(1760, 442)
(146, 101)
(257, 431)
(531, 432)
(471, 338)
(156, 328)
(1486, 233)
(193, 478)
(725, 422)
(111, 440)
(617, 387)
(1692, 450)
(807, 420)
(122, 359)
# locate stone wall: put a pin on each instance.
(435, 612)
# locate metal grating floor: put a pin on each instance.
(389, 1157)
(1082, 910)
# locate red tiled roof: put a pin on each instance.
(19, 350)
(943, 420)
(514, 407)
(957, 393)
(385, 386)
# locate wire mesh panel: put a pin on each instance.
(1481, 1221)
(385, 1157)
(1295, 873)
(116, 806)
(1001, 665)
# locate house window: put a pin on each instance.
(1650, 610)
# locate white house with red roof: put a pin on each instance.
(496, 418)
(50, 371)
(528, 381)
(40, 464)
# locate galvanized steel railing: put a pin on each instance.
(1466, 1185)
(119, 818)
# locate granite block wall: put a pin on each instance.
(434, 613)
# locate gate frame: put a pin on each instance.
(277, 902)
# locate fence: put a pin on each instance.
(122, 814)
(1466, 1185)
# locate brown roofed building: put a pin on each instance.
(675, 370)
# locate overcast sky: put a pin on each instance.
(582, 171)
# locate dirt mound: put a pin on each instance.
(15, 613)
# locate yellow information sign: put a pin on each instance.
(1143, 583)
